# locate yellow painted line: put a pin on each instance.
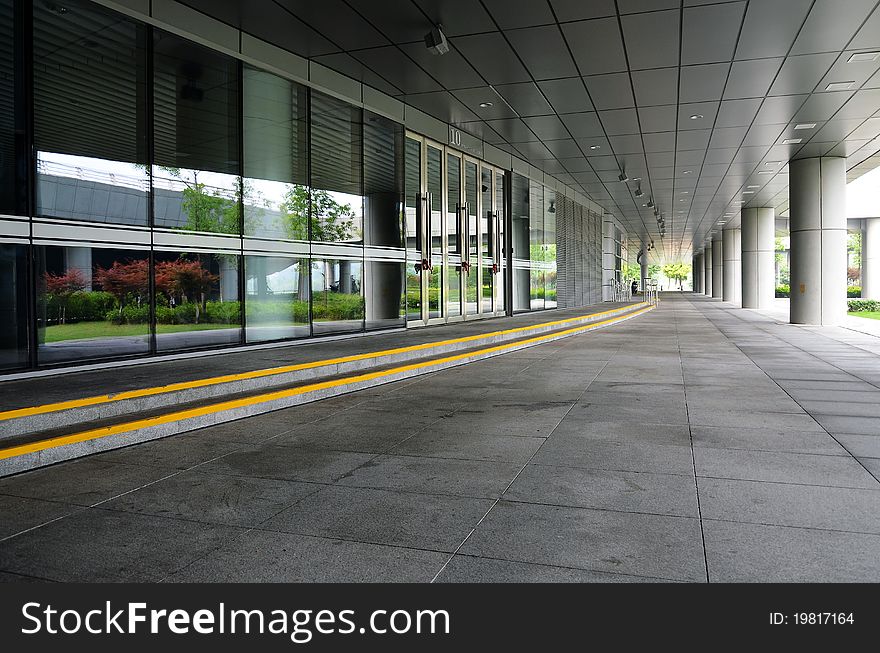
(116, 429)
(256, 374)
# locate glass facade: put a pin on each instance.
(189, 200)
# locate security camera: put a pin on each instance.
(436, 42)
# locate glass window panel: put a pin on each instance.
(277, 298)
(90, 132)
(385, 300)
(519, 239)
(470, 188)
(337, 206)
(196, 300)
(275, 188)
(7, 107)
(486, 218)
(536, 246)
(337, 300)
(13, 306)
(196, 137)
(383, 181)
(413, 229)
(435, 231)
(453, 203)
(91, 303)
(501, 276)
(548, 249)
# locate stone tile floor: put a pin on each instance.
(695, 443)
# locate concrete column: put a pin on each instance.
(644, 270)
(758, 268)
(717, 267)
(79, 258)
(707, 271)
(817, 199)
(732, 269)
(871, 259)
(697, 273)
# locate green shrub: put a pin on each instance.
(82, 306)
(853, 291)
(783, 290)
(337, 306)
(860, 305)
(131, 314)
(222, 313)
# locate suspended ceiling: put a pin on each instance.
(695, 98)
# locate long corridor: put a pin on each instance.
(694, 443)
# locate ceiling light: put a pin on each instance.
(839, 86)
(722, 222)
(863, 56)
(595, 147)
(684, 192)
(772, 163)
(486, 105)
(805, 125)
(622, 177)
(792, 141)
(766, 172)
(687, 172)
(697, 116)
(748, 192)
(651, 204)
(436, 42)
(639, 192)
(752, 186)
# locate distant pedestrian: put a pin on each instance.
(635, 287)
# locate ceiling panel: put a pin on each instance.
(567, 95)
(703, 82)
(544, 52)
(749, 79)
(596, 45)
(652, 39)
(400, 20)
(398, 69)
(770, 28)
(655, 87)
(709, 33)
(334, 20)
(737, 113)
(831, 24)
(492, 57)
(658, 119)
(511, 14)
(802, 74)
(620, 121)
(568, 10)
(458, 17)
(526, 99)
(612, 91)
(451, 70)
(547, 127)
(583, 124)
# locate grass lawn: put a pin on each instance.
(871, 315)
(87, 330)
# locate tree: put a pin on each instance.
(61, 287)
(854, 248)
(677, 272)
(654, 272)
(186, 280)
(124, 279)
(330, 220)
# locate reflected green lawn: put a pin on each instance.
(871, 315)
(90, 330)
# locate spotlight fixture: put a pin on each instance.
(639, 192)
(622, 177)
(436, 42)
(651, 204)
(552, 208)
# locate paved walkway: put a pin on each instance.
(694, 443)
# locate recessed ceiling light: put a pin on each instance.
(486, 105)
(863, 56)
(792, 141)
(682, 200)
(595, 147)
(684, 192)
(752, 186)
(722, 222)
(766, 172)
(748, 192)
(697, 116)
(686, 172)
(805, 125)
(839, 86)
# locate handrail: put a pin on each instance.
(650, 293)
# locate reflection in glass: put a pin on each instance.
(90, 132)
(536, 245)
(7, 108)
(276, 298)
(275, 188)
(520, 243)
(453, 241)
(435, 231)
(91, 303)
(196, 137)
(385, 299)
(196, 300)
(413, 215)
(548, 249)
(337, 301)
(487, 240)
(500, 257)
(473, 254)
(13, 306)
(337, 210)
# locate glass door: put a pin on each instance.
(414, 219)
(434, 253)
(471, 267)
(455, 261)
